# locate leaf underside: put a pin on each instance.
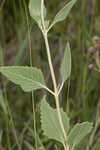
(35, 10)
(65, 68)
(29, 78)
(63, 13)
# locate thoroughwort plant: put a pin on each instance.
(54, 122)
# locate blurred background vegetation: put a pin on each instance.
(82, 102)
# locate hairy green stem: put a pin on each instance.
(50, 63)
(44, 31)
(47, 46)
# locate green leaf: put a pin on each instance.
(2, 103)
(35, 10)
(65, 68)
(50, 122)
(78, 132)
(30, 147)
(1, 56)
(1, 135)
(97, 145)
(83, 144)
(29, 78)
(63, 13)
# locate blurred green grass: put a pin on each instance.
(80, 27)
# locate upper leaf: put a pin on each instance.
(63, 13)
(65, 68)
(29, 78)
(50, 122)
(35, 10)
(78, 132)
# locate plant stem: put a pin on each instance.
(50, 63)
(47, 46)
(97, 123)
(60, 121)
(55, 87)
(44, 31)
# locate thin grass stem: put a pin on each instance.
(33, 104)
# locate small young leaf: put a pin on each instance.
(2, 104)
(50, 122)
(65, 69)
(78, 132)
(29, 78)
(35, 10)
(63, 13)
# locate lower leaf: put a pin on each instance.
(78, 132)
(50, 122)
